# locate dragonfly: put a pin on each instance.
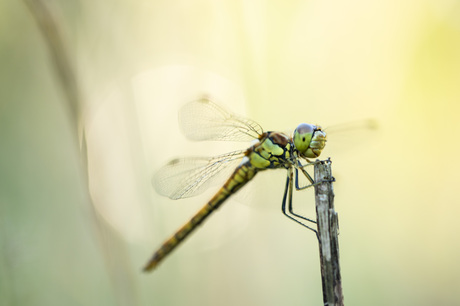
(203, 119)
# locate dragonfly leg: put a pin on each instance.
(287, 190)
(307, 175)
(291, 178)
(312, 182)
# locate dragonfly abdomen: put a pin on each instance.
(243, 174)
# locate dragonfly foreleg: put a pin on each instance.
(292, 215)
(312, 182)
(306, 174)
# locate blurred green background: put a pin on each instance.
(137, 62)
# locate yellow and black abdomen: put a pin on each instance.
(242, 174)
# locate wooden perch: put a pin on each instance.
(328, 226)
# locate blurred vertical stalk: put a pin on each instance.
(328, 226)
(59, 55)
(118, 267)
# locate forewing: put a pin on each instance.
(204, 120)
(187, 177)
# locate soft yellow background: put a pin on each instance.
(137, 62)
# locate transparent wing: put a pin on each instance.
(353, 126)
(187, 177)
(351, 136)
(204, 120)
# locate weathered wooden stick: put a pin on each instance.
(328, 226)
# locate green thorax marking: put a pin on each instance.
(272, 151)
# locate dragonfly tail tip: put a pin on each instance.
(150, 266)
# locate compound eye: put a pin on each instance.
(302, 136)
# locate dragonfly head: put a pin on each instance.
(309, 140)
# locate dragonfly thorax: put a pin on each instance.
(274, 150)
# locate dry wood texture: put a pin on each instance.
(328, 235)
